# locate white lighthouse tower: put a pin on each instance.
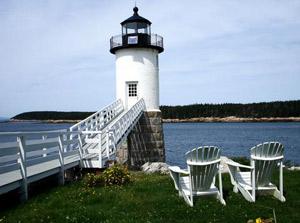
(137, 69)
(137, 66)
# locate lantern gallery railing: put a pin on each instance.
(120, 41)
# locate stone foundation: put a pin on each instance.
(145, 143)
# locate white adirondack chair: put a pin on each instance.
(264, 159)
(203, 165)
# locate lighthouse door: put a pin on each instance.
(131, 94)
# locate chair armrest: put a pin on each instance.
(278, 164)
(175, 172)
(221, 167)
(178, 170)
(232, 163)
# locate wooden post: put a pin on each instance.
(107, 144)
(61, 160)
(281, 181)
(45, 154)
(100, 149)
(67, 137)
(220, 183)
(71, 137)
(253, 179)
(22, 161)
(80, 150)
(191, 186)
(100, 120)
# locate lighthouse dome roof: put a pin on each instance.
(136, 18)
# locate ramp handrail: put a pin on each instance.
(118, 132)
(99, 119)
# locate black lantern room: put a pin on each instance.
(136, 33)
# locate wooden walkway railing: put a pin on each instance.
(25, 161)
(89, 144)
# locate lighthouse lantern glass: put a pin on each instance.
(135, 27)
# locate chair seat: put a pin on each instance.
(244, 179)
(185, 186)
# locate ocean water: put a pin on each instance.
(234, 139)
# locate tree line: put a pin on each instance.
(52, 115)
(253, 110)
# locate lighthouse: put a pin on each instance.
(137, 66)
(137, 77)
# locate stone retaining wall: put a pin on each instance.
(145, 143)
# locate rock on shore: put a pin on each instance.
(294, 168)
(156, 167)
(189, 120)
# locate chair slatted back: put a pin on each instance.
(264, 169)
(202, 175)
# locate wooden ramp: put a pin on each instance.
(88, 144)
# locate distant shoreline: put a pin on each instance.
(233, 119)
(189, 120)
(43, 121)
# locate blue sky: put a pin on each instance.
(54, 55)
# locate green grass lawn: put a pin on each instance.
(152, 198)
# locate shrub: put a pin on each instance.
(117, 176)
(93, 180)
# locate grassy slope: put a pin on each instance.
(152, 198)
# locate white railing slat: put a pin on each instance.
(42, 152)
(9, 151)
(9, 168)
(41, 146)
(6, 145)
(4, 159)
(91, 140)
(41, 160)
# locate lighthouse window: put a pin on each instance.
(132, 90)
